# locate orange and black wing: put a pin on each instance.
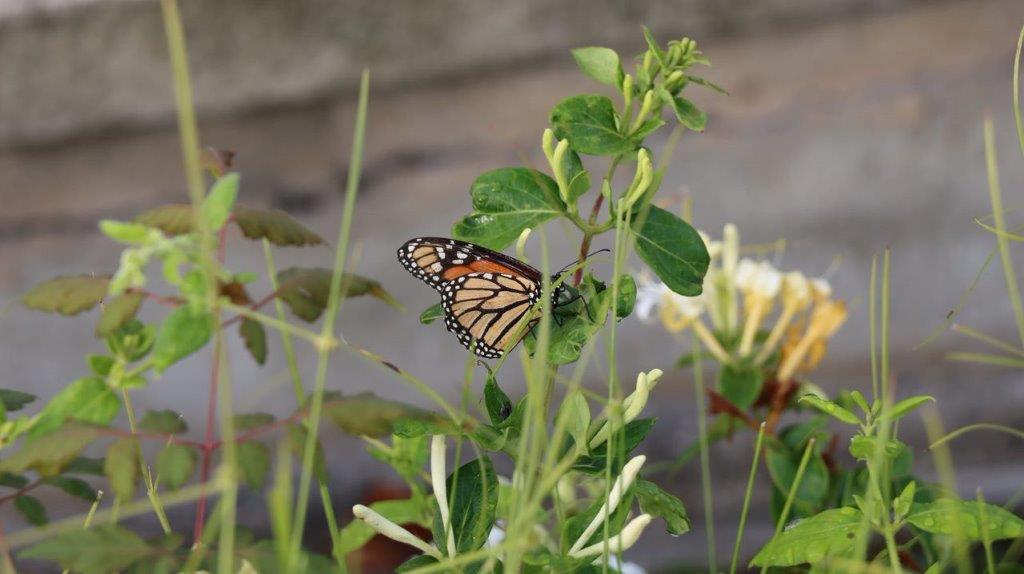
(486, 308)
(437, 261)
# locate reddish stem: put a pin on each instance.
(585, 245)
(20, 491)
(161, 299)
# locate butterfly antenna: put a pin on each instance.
(588, 256)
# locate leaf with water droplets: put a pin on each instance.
(810, 540)
(964, 517)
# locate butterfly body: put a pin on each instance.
(484, 293)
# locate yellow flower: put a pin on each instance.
(803, 352)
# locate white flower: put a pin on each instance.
(821, 287)
(758, 278)
(622, 484)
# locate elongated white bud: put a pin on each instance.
(393, 531)
(622, 484)
(618, 543)
(438, 474)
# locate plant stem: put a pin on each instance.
(207, 448)
(999, 220)
(705, 456)
(746, 500)
(147, 477)
(595, 211)
(791, 496)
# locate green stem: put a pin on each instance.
(147, 477)
(705, 456)
(986, 538)
(999, 219)
(746, 500)
(797, 479)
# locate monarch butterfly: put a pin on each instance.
(484, 293)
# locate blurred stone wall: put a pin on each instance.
(851, 127)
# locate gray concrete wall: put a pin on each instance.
(844, 137)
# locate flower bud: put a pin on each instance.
(622, 484)
(618, 543)
(392, 530)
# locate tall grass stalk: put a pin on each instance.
(746, 500)
(793, 488)
(705, 455)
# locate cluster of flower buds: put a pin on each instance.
(630, 533)
(739, 297)
(632, 406)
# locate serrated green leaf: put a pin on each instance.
(473, 500)
(656, 502)
(248, 421)
(175, 465)
(31, 509)
(672, 249)
(273, 225)
(219, 203)
(366, 414)
(87, 400)
(306, 290)
(183, 332)
(505, 202)
(810, 540)
(830, 408)
(47, 455)
(164, 421)
(949, 517)
(590, 124)
(741, 383)
(73, 486)
(121, 467)
(67, 295)
(118, 313)
(255, 338)
(253, 463)
(97, 550)
(15, 400)
(601, 64)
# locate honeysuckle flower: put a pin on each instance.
(437, 479)
(760, 283)
(622, 484)
(632, 405)
(804, 351)
(618, 543)
(796, 296)
(393, 531)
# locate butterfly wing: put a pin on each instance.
(438, 261)
(486, 307)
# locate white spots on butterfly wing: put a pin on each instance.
(436, 267)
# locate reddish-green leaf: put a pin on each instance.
(118, 312)
(67, 295)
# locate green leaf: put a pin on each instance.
(12, 480)
(568, 339)
(15, 400)
(248, 421)
(415, 563)
(85, 465)
(573, 528)
(124, 232)
(707, 84)
(357, 533)
(499, 406)
(576, 413)
(175, 465)
(814, 486)
(306, 290)
(672, 249)
(67, 295)
(122, 468)
(118, 312)
(505, 202)
(591, 125)
(164, 421)
(830, 408)
(810, 540)
(473, 500)
(655, 501)
(218, 204)
(366, 414)
(87, 400)
(948, 517)
(431, 314)
(601, 64)
(906, 406)
(687, 113)
(31, 509)
(627, 297)
(297, 437)
(182, 333)
(863, 448)
(253, 463)
(901, 505)
(273, 225)
(625, 441)
(741, 383)
(579, 178)
(97, 550)
(73, 486)
(49, 454)
(255, 337)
